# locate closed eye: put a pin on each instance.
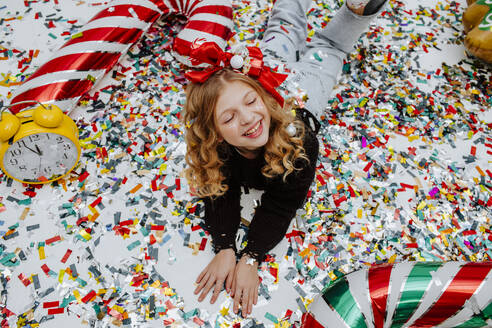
(229, 118)
(252, 101)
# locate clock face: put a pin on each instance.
(40, 157)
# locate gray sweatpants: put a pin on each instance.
(321, 59)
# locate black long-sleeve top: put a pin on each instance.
(279, 201)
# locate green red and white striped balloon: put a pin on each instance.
(409, 294)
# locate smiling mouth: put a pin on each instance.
(253, 130)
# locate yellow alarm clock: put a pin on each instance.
(39, 145)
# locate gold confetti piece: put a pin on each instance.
(24, 213)
(42, 256)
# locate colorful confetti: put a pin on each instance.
(404, 174)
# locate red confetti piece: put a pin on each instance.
(89, 296)
(152, 239)
(83, 176)
(51, 304)
(153, 185)
(157, 227)
(52, 240)
(45, 269)
(126, 222)
(368, 166)
(412, 245)
(56, 311)
(203, 244)
(24, 279)
(96, 202)
(66, 256)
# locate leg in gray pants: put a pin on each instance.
(320, 60)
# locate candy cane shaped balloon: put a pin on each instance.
(83, 60)
(409, 294)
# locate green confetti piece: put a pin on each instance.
(14, 226)
(313, 220)
(82, 282)
(158, 163)
(271, 317)
(317, 57)
(313, 272)
(139, 159)
(67, 301)
(133, 245)
(144, 231)
(26, 201)
(190, 314)
(6, 260)
(52, 35)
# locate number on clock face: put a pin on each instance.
(38, 157)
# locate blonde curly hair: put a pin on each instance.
(204, 144)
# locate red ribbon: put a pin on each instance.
(211, 53)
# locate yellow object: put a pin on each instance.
(9, 125)
(45, 146)
(48, 117)
(42, 255)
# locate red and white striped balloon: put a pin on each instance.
(83, 60)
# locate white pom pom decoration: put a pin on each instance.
(237, 62)
(291, 130)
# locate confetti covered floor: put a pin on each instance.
(404, 174)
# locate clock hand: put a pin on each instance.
(40, 153)
(34, 151)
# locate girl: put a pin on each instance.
(240, 133)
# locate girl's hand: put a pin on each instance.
(245, 286)
(220, 269)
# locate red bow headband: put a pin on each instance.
(252, 65)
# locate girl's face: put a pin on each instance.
(242, 118)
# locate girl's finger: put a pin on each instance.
(233, 288)
(230, 278)
(256, 296)
(207, 288)
(250, 302)
(201, 275)
(244, 302)
(237, 299)
(217, 289)
(202, 283)
(246, 306)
